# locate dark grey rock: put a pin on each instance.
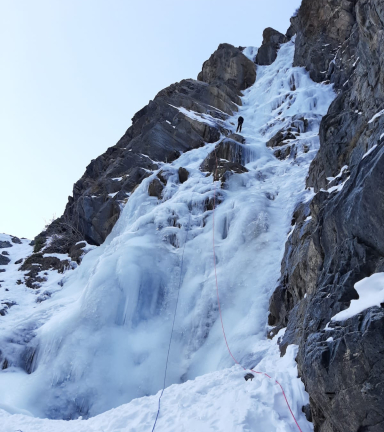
(19, 261)
(321, 26)
(347, 372)
(5, 364)
(16, 240)
(4, 260)
(183, 175)
(2, 270)
(4, 253)
(225, 160)
(280, 138)
(267, 53)
(307, 411)
(5, 244)
(292, 30)
(283, 153)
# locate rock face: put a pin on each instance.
(226, 159)
(159, 133)
(272, 39)
(228, 66)
(338, 238)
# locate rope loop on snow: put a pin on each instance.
(218, 299)
(174, 319)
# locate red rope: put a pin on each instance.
(218, 301)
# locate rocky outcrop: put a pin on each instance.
(351, 128)
(337, 238)
(37, 263)
(228, 66)
(159, 133)
(4, 260)
(5, 244)
(267, 53)
(321, 27)
(225, 160)
(155, 188)
(183, 175)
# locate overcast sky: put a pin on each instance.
(74, 72)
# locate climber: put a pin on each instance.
(240, 122)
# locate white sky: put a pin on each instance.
(74, 72)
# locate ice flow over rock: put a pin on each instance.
(106, 343)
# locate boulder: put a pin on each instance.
(279, 138)
(4, 260)
(183, 175)
(283, 153)
(155, 188)
(5, 244)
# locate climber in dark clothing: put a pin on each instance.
(240, 122)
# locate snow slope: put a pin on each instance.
(102, 340)
(219, 401)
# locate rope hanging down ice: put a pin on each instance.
(173, 323)
(218, 299)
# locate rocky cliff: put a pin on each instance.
(160, 133)
(338, 237)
